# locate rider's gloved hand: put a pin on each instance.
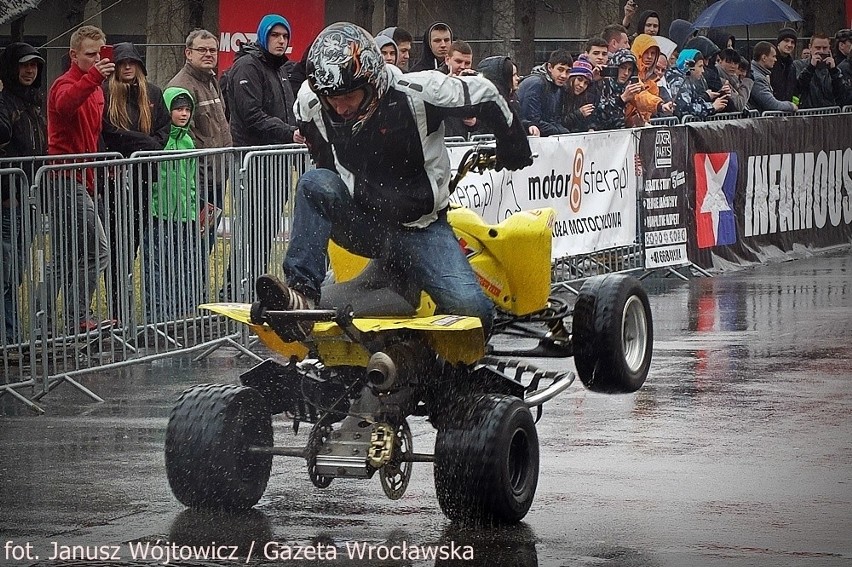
(513, 156)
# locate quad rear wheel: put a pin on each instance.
(486, 461)
(208, 462)
(612, 334)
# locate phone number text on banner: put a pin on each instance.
(590, 180)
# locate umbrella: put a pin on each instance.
(725, 13)
(11, 9)
(666, 45)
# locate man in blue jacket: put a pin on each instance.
(541, 94)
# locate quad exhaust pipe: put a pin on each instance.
(381, 371)
(397, 365)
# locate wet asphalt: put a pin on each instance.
(737, 451)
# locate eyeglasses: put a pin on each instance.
(203, 50)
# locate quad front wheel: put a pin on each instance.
(612, 334)
(486, 461)
(208, 461)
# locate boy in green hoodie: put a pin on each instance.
(175, 276)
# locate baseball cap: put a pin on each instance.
(30, 57)
(843, 35)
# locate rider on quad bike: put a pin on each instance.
(381, 187)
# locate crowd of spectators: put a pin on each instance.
(625, 77)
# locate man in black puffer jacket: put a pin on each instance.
(259, 95)
(24, 133)
(21, 68)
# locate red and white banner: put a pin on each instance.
(589, 179)
(238, 22)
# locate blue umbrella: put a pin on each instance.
(725, 13)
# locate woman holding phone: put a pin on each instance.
(135, 119)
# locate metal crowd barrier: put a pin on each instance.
(115, 268)
(567, 270)
(16, 227)
(819, 111)
(665, 121)
(263, 209)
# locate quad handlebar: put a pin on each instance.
(476, 159)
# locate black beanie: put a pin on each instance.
(787, 33)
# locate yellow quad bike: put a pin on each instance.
(373, 360)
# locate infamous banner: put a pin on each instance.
(663, 197)
(767, 185)
(238, 24)
(590, 180)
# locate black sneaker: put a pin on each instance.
(274, 295)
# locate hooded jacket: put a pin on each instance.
(676, 75)
(645, 104)
(384, 41)
(427, 60)
(643, 17)
(680, 31)
(174, 195)
(709, 50)
(609, 114)
(28, 135)
(692, 98)
(499, 69)
(260, 97)
(132, 139)
(125, 51)
(541, 102)
(396, 165)
(209, 126)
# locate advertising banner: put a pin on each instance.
(761, 186)
(238, 22)
(662, 200)
(590, 180)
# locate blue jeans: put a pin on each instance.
(430, 257)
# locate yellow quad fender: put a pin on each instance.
(454, 338)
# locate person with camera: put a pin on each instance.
(75, 108)
(619, 87)
(692, 97)
(649, 103)
(819, 82)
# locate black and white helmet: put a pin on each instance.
(343, 58)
